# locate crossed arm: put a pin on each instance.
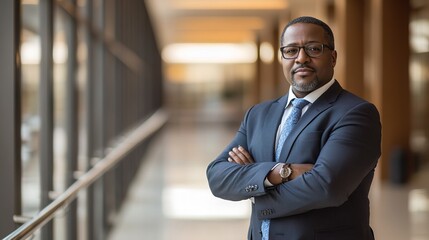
(241, 156)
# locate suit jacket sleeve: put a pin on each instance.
(235, 182)
(346, 146)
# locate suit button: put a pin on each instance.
(251, 188)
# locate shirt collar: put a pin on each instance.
(313, 96)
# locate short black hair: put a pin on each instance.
(306, 19)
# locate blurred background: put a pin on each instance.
(118, 106)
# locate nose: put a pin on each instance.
(302, 56)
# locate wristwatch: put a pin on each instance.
(285, 172)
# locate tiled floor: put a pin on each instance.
(170, 200)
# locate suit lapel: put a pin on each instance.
(272, 122)
(324, 102)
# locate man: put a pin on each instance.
(317, 187)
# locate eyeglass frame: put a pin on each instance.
(303, 47)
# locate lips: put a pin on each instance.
(303, 70)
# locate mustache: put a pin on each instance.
(302, 66)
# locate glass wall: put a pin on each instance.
(30, 108)
(90, 73)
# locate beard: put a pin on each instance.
(306, 87)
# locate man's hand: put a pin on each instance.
(240, 156)
(299, 169)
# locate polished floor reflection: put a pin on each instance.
(170, 198)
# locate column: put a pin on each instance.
(10, 122)
(349, 33)
(386, 73)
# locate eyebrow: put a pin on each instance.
(296, 44)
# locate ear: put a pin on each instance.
(334, 58)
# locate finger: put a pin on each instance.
(246, 154)
(240, 155)
(235, 158)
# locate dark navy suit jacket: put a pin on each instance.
(340, 134)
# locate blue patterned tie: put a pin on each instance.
(298, 104)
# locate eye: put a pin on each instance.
(290, 51)
(314, 48)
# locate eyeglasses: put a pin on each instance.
(311, 49)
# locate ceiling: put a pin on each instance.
(213, 21)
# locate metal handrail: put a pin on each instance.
(146, 129)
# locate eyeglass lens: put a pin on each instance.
(312, 50)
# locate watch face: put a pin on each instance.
(285, 172)
(282, 173)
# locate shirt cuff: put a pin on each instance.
(268, 183)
